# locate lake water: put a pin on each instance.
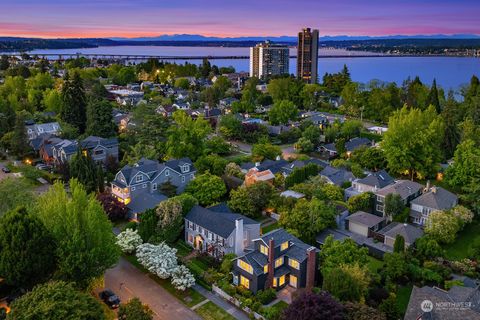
(450, 72)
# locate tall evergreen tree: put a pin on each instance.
(84, 169)
(451, 114)
(100, 119)
(74, 102)
(19, 139)
(432, 98)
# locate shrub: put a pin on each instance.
(131, 225)
(129, 240)
(266, 296)
(244, 292)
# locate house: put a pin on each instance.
(218, 231)
(62, 151)
(377, 129)
(254, 175)
(35, 130)
(181, 105)
(406, 189)
(100, 149)
(137, 186)
(350, 146)
(432, 303)
(337, 176)
(364, 223)
(127, 97)
(371, 183)
(435, 198)
(227, 102)
(166, 110)
(409, 232)
(276, 260)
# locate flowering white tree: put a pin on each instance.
(129, 240)
(442, 226)
(158, 259)
(463, 214)
(182, 278)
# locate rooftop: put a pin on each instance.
(367, 219)
(437, 198)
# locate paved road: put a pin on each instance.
(137, 284)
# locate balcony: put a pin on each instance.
(122, 194)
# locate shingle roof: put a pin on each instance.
(336, 175)
(92, 141)
(221, 223)
(364, 218)
(297, 248)
(437, 198)
(144, 201)
(356, 143)
(407, 231)
(378, 179)
(404, 188)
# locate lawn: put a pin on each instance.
(374, 264)
(403, 296)
(210, 311)
(183, 249)
(459, 249)
(276, 309)
(270, 227)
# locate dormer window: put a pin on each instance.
(139, 178)
(167, 173)
(185, 168)
(284, 246)
(264, 249)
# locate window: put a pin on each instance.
(379, 208)
(244, 282)
(284, 246)
(190, 238)
(183, 179)
(192, 176)
(154, 186)
(294, 263)
(139, 178)
(245, 266)
(264, 249)
(293, 281)
(265, 268)
(274, 282)
(185, 168)
(279, 262)
(379, 199)
(133, 188)
(144, 185)
(281, 281)
(98, 152)
(167, 173)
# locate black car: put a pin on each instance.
(6, 170)
(110, 298)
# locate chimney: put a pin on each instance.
(311, 266)
(427, 187)
(277, 158)
(257, 164)
(271, 267)
(239, 244)
(434, 189)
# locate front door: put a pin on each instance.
(293, 281)
(198, 243)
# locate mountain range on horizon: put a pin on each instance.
(198, 37)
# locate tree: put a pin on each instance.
(56, 300)
(158, 259)
(4, 62)
(170, 220)
(399, 244)
(265, 150)
(432, 98)
(395, 265)
(358, 311)
(304, 145)
(347, 283)
(465, 167)
(232, 169)
(100, 119)
(452, 114)
(463, 215)
(85, 170)
(114, 209)
(14, 193)
(361, 202)
(26, 249)
(428, 248)
(251, 200)
(335, 253)
(282, 111)
(211, 163)
(412, 142)
(52, 100)
(389, 306)
(186, 137)
(230, 127)
(227, 263)
(134, 310)
(74, 102)
(369, 158)
(393, 205)
(442, 226)
(182, 278)
(182, 83)
(217, 145)
(206, 188)
(308, 218)
(83, 235)
(129, 240)
(312, 306)
(20, 145)
(148, 225)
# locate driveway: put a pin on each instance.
(128, 282)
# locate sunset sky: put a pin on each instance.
(231, 18)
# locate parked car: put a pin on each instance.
(5, 170)
(110, 298)
(42, 166)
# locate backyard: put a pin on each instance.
(459, 249)
(403, 296)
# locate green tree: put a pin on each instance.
(442, 226)
(82, 232)
(304, 145)
(432, 98)
(265, 150)
(74, 102)
(282, 111)
(347, 283)
(412, 142)
(251, 200)
(52, 101)
(212, 163)
(361, 202)
(428, 248)
(56, 301)
(26, 249)
(393, 205)
(207, 188)
(452, 114)
(83, 168)
(124, 76)
(250, 93)
(399, 244)
(170, 220)
(182, 83)
(308, 218)
(148, 225)
(310, 96)
(20, 146)
(335, 253)
(100, 119)
(134, 310)
(369, 158)
(230, 127)
(465, 167)
(395, 265)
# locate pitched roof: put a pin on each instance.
(336, 175)
(221, 223)
(144, 201)
(407, 231)
(437, 198)
(91, 142)
(404, 188)
(356, 143)
(297, 248)
(364, 218)
(378, 179)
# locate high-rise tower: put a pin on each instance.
(267, 59)
(307, 55)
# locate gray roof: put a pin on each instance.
(378, 179)
(296, 250)
(356, 143)
(220, 223)
(437, 198)
(91, 142)
(466, 300)
(337, 176)
(257, 260)
(364, 218)
(404, 188)
(144, 201)
(409, 232)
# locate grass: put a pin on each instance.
(183, 249)
(276, 309)
(190, 297)
(459, 249)
(403, 296)
(210, 311)
(280, 305)
(270, 227)
(374, 264)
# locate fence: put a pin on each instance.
(225, 296)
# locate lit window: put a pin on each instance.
(281, 281)
(264, 249)
(278, 262)
(284, 246)
(265, 268)
(245, 266)
(274, 282)
(244, 282)
(294, 263)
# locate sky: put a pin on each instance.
(233, 18)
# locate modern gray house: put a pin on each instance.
(371, 183)
(276, 260)
(217, 231)
(100, 149)
(137, 186)
(406, 189)
(436, 198)
(36, 130)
